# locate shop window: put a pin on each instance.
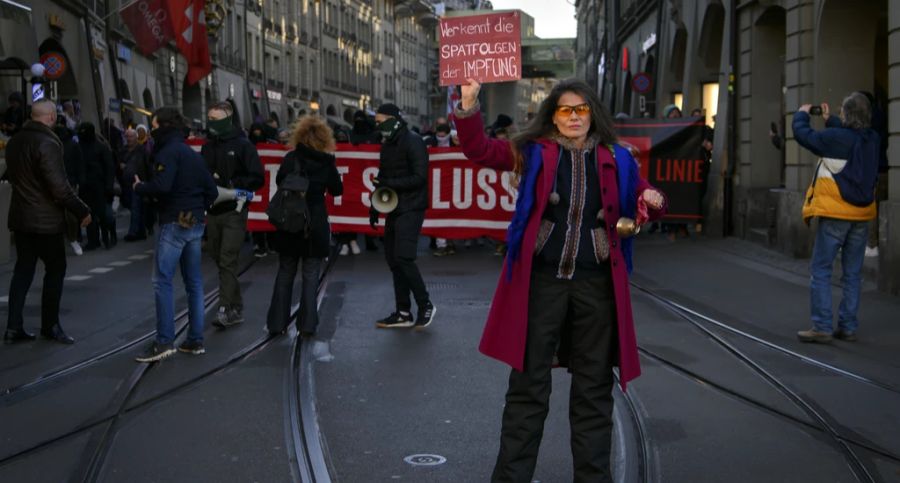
(710, 102)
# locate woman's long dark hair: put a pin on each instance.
(542, 125)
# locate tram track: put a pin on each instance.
(105, 427)
(818, 419)
(181, 321)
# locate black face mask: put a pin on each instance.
(389, 128)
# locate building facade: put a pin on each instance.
(765, 58)
(275, 58)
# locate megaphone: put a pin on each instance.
(226, 194)
(384, 200)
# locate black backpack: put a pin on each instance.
(288, 210)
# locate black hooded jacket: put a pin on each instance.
(234, 163)
(404, 168)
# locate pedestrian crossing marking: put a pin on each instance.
(77, 278)
(120, 263)
(100, 270)
(138, 257)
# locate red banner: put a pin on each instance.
(487, 48)
(149, 23)
(189, 25)
(465, 200)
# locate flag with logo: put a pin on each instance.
(189, 26)
(149, 22)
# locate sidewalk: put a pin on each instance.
(767, 294)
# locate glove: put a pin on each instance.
(373, 218)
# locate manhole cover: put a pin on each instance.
(425, 459)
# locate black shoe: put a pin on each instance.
(228, 318)
(425, 316)
(395, 321)
(91, 246)
(192, 347)
(17, 335)
(131, 238)
(56, 333)
(260, 252)
(156, 352)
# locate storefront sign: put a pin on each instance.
(487, 48)
(54, 65)
(255, 93)
(123, 52)
(115, 105)
(273, 95)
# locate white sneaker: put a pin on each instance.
(354, 247)
(345, 250)
(76, 247)
(871, 252)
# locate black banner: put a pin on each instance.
(672, 159)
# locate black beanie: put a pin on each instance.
(389, 110)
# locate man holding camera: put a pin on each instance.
(234, 164)
(403, 168)
(842, 198)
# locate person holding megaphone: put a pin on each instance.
(563, 295)
(402, 192)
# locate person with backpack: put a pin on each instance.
(299, 214)
(842, 198)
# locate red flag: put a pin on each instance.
(150, 24)
(189, 26)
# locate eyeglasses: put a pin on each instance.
(566, 111)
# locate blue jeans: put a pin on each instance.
(178, 246)
(136, 226)
(850, 238)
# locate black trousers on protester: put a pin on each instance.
(280, 307)
(31, 247)
(401, 238)
(586, 309)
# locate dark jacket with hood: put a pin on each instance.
(41, 192)
(323, 176)
(234, 163)
(72, 156)
(180, 181)
(99, 169)
(404, 168)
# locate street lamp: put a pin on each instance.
(37, 81)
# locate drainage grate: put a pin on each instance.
(441, 285)
(425, 459)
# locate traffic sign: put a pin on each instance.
(641, 83)
(54, 65)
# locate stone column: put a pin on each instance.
(889, 210)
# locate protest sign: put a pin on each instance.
(487, 48)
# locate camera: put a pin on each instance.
(815, 111)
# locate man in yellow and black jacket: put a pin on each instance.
(842, 198)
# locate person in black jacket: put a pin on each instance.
(313, 140)
(75, 175)
(137, 163)
(184, 189)
(97, 189)
(403, 168)
(234, 164)
(41, 195)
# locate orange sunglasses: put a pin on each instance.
(566, 111)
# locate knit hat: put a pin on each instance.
(502, 121)
(389, 110)
(668, 110)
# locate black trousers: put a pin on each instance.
(31, 247)
(401, 238)
(280, 307)
(583, 311)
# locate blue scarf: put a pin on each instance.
(533, 161)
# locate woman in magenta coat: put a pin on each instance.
(563, 292)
